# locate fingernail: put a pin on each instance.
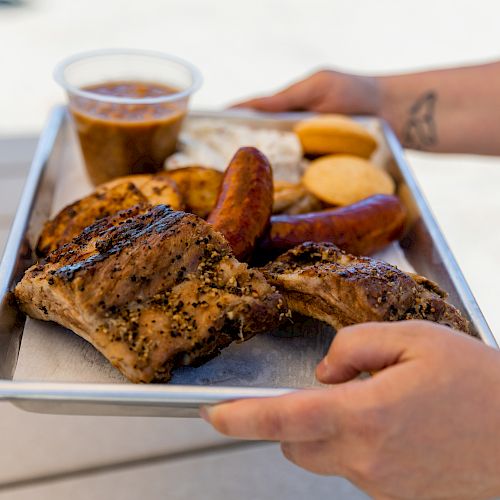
(322, 366)
(205, 412)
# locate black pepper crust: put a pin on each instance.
(71, 220)
(322, 281)
(152, 289)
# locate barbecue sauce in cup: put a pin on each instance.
(126, 137)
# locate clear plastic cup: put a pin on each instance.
(127, 107)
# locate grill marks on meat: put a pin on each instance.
(108, 199)
(321, 281)
(151, 289)
(74, 218)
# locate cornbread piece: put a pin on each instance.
(328, 134)
(321, 281)
(108, 199)
(345, 179)
(151, 292)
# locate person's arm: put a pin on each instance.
(424, 426)
(449, 110)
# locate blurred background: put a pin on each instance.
(242, 48)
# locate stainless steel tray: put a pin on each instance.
(423, 245)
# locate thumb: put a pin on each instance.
(368, 347)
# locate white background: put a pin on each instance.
(241, 47)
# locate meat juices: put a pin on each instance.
(120, 139)
(151, 289)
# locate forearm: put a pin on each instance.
(452, 110)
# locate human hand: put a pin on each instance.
(325, 91)
(424, 426)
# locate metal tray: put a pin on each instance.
(423, 245)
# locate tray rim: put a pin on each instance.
(441, 245)
(184, 396)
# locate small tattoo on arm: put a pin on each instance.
(420, 130)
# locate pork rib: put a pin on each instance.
(321, 281)
(151, 289)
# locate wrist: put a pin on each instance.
(408, 104)
(367, 96)
(389, 105)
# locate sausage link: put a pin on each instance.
(361, 228)
(245, 201)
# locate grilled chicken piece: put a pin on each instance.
(108, 199)
(151, 291)
(158, 189)
(321, 281)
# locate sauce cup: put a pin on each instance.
(127, 107)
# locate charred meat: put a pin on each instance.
(321, 281)
(151, 289)
(106, 200)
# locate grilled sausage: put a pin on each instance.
(245, 201)
(361, 228)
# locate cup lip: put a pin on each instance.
(62, 65)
